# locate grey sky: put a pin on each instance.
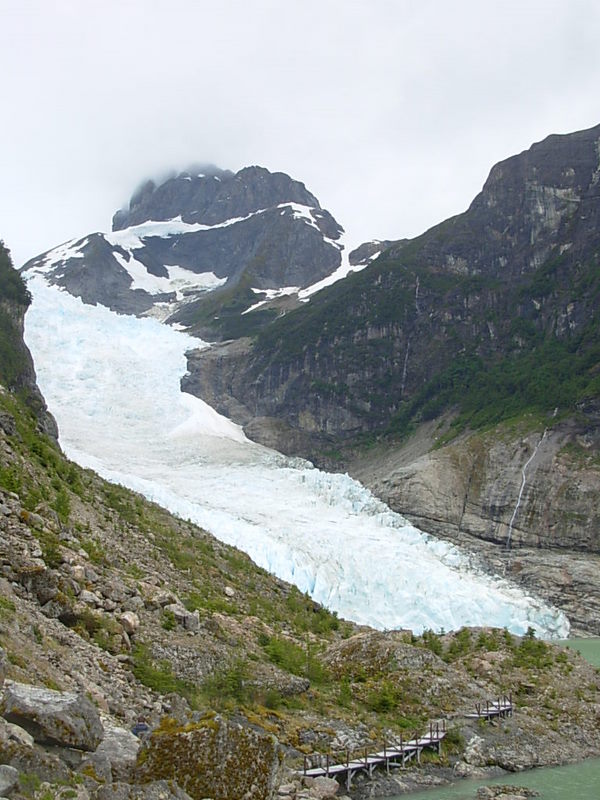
(391, 112)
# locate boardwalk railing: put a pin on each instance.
(393, 755)
(502, 707)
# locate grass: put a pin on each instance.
(157, 675)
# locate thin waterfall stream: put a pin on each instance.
(521, 490)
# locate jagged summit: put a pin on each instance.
(210, 195)
(202, 248)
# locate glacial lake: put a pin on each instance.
(578, 781)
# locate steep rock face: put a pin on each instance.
(531, 488)
(201, 249)
(17, 373)
(211, 196)
(522, 499)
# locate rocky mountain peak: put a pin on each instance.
(209, 195)
(202, 248)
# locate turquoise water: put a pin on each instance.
(589, 649)
(574, 782)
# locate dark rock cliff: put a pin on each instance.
(17, 374)
(211, 196)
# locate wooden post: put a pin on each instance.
(327, 764)
(305, 765)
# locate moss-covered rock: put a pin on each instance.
(213, 758)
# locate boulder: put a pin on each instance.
(188, 620)
(33, 759)
(324, 787)
(118, 751)
(65, 718)
(9, 777)
(130, 622)
(157, 790)
(213, 758)
(9, 732)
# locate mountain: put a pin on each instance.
(458, 374)
(202, 248)
(116, 615)
(492, 312)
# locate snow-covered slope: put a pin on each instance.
(113, 384)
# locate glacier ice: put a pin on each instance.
(112, 382)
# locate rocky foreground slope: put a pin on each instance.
(116, 617)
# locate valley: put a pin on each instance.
(383, 473)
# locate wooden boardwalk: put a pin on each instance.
(502, 707)
(392, 755)
(396, 754)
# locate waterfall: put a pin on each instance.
(523, 481)
(404, 368)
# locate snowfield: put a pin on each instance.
(112, 382)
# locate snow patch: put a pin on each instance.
(271, 294)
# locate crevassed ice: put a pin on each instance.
(112, 383)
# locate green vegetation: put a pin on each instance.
(221, 311)
(231, 683)
(553, 373)
(157, 675)
(7, 608)
(294, 658)
(476, 345)
(533, 653)
(14, 300)
(12, 287)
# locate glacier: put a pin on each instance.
(113, 383)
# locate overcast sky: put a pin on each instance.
(391, 111)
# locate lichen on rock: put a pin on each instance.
(213, 758)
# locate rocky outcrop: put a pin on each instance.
(521, 499)
(17, 373)
(512, 486)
